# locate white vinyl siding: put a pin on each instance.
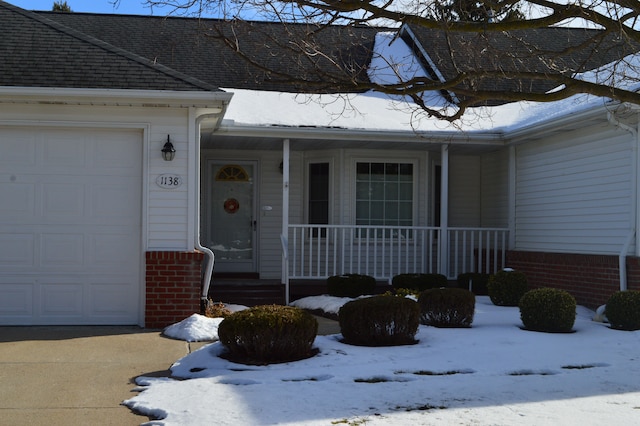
(574, 195)
(495, 189)
(464, 191)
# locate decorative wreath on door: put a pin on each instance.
(231, 205)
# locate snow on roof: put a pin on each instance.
(378, 112)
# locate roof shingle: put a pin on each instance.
(38, 52)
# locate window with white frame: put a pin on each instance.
(384, 193)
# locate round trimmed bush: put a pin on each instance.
(447, 307)
(379, 321)
(623, 310)
(548, 309)
(268, 334)
(419, 282)
(350, 285)
(477, 280)
(506, 287)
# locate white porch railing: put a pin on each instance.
(476, 250)
(320, 251)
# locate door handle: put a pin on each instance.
(254, 224)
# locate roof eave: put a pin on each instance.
(114, 97)
(345, 134)
(562, 123)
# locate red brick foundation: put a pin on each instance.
(591, 279)
(173, 289)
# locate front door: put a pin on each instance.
(231, 219)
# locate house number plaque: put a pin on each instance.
(169, 181)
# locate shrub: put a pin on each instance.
(379, 321)
(548, 309)
(405, 292)
(507, 287)
(419, 282)
(623, 310)
(216, 310)
(268, 334)
(447, 307)
(350, 285)
(478, 282)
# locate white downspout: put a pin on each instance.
(196, 167)
(622, 264)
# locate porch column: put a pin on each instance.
(512, 198)
(284, 236)
(444, 211)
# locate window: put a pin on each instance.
(318, 195)
(384, 194)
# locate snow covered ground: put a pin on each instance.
(491, 374)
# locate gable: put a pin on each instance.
(544, 51)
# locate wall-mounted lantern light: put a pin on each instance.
(168, 151)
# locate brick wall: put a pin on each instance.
(591, 279)
(173, 286)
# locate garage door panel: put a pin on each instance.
(113, 201)
(19, 149)
(16, 298)
(64, 150)
(110, 250)
(64, 199)
(70, 226)
(106, 152)
(110, 300)
(18, 199)
(17, 250)
(61, 251)
(61, 299)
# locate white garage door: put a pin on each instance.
(70, 226)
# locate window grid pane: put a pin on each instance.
(384, 194)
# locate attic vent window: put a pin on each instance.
(232, 173)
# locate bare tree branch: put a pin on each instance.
(470, 63)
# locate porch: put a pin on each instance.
(312, 253)
(320, 251)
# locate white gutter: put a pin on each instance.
(373, 135)
(525, 133)
(118, 97)
(622, 257)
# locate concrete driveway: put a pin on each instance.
(77, 375)
(71, 375)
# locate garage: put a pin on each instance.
(70, 226)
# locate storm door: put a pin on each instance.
(231, 215)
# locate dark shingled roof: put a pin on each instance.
(57, 49)
(38, 52)
(194, 47)
(541, 50)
